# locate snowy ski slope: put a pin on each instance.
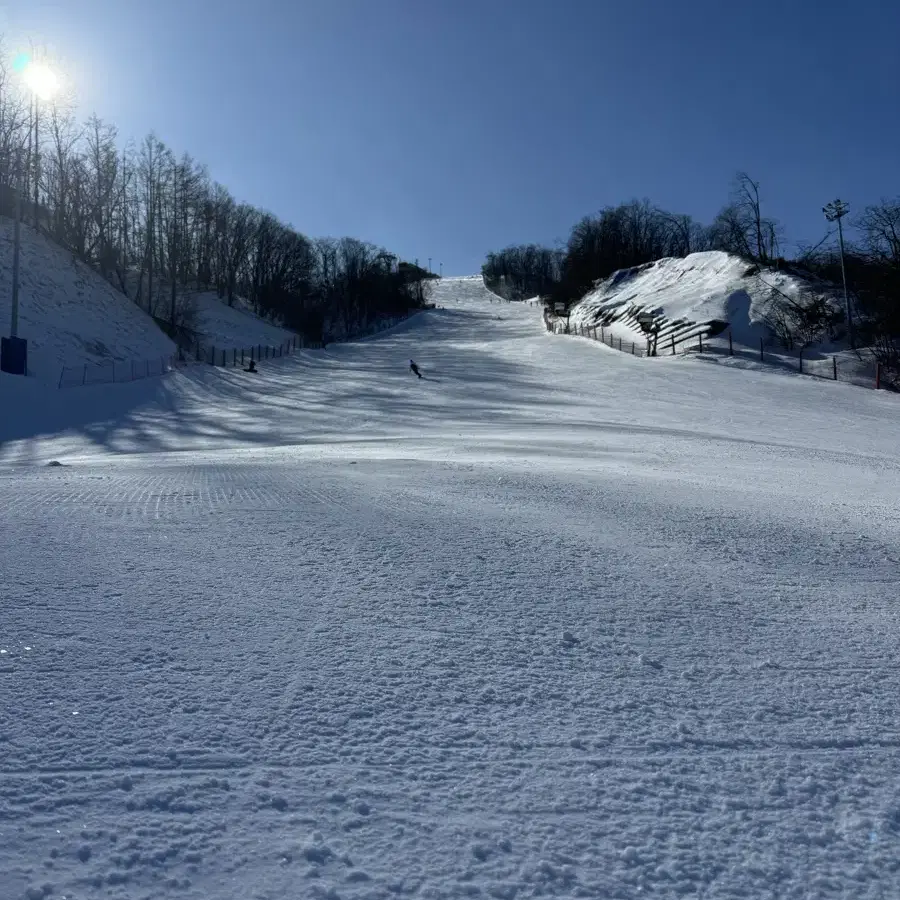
(72, 316)
(553, 621)
(69, 314)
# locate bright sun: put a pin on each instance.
(41, 80)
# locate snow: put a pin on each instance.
(701, 287)
(553, 621)
(234, 327)
(68, 313)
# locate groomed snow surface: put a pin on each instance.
(552, 621)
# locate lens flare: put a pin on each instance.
(41, 80)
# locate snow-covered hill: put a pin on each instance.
(228, 327)
(68, 313)
(697, 289)
(553, 621)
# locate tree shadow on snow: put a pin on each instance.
(315, 396)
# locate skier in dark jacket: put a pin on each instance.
(414, 369)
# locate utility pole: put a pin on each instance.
(429, 265)
(834, 212)
(17, 245)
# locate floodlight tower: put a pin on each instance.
(834, 212)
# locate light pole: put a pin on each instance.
(14, 350)
(442, 270)
(17, 250)
(834, 212)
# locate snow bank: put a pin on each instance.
(701, 288)
(68, 313)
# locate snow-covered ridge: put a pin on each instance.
(689, 295)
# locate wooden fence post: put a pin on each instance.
(701, 341)
(620, 345)
(632, 348)
(877, 376)
(834, 366)
(801, 360)
(761, 350)
(730, 343)
(673, 344)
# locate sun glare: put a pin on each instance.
(41, 80)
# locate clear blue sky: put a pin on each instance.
(446, 128)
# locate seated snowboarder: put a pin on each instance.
(251, 367)
(414, 369)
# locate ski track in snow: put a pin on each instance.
(343, 634)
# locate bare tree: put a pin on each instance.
(880, 227)
(741, 228)
(157, 225)
(150, 174)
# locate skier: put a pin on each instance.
(414, 369)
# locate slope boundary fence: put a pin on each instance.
(116, 372)
(596, 333)
(231, 357)
(857, 371)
